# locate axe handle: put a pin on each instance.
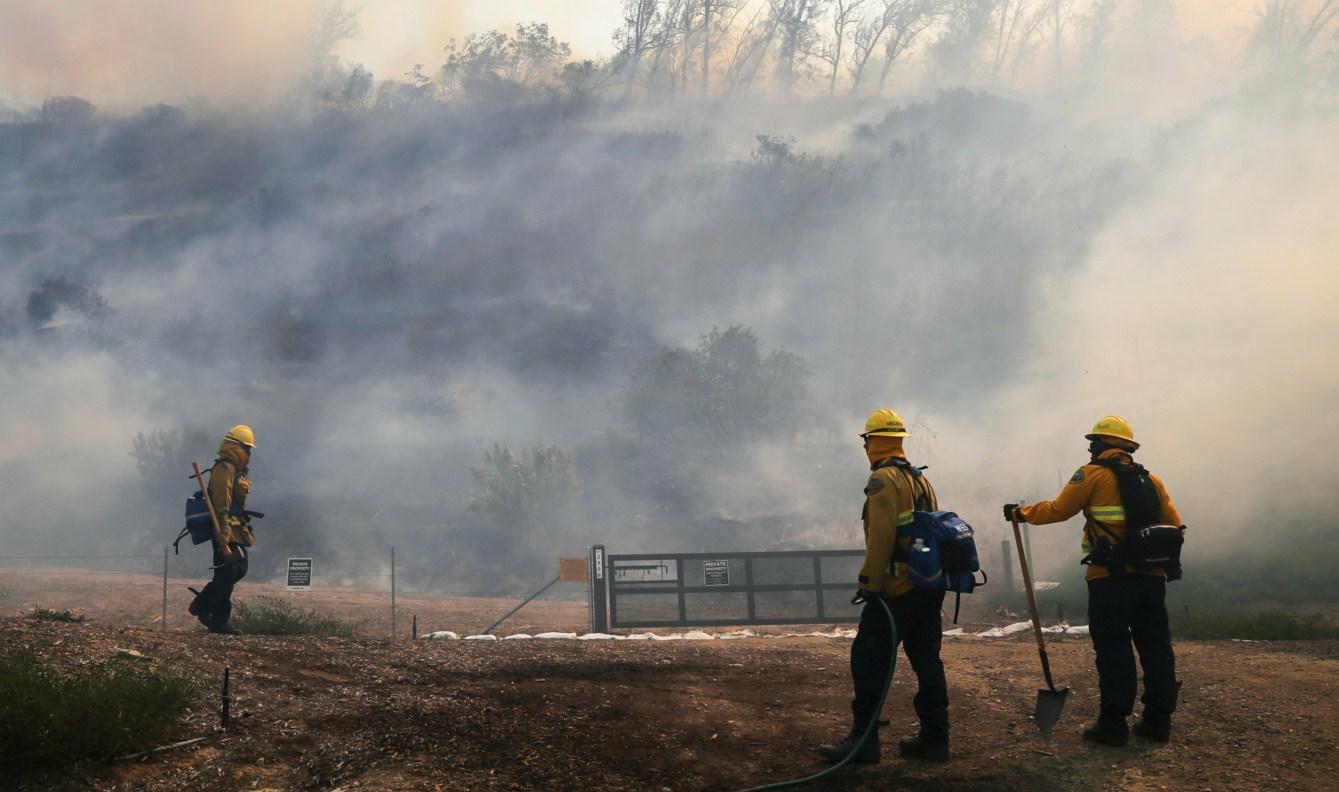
(214, 518)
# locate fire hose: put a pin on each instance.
(873, 722)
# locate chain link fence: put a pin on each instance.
(154, 591)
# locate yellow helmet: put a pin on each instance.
(242, 434)
(885, 422)
(1114, 426)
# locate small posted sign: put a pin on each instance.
(717, 573)
(573, 570)
(299, 573)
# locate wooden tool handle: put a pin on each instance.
(214, 518)
(1027, 584)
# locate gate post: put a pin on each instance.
(599, 591)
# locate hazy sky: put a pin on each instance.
(133, 52)
(1157, 243)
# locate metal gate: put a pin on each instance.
(724, 589)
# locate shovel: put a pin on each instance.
(1049, 702)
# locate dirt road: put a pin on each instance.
(688, 715)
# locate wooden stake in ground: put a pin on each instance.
(225, 708)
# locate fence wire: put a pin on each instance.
(154, 590)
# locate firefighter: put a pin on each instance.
(1125, 604)
(895, 489)
(228, 488)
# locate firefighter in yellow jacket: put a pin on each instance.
(1126, 602)
(228, 488)
(895, 490)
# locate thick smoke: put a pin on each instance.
(402, 295)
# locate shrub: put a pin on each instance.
(274, 616)
(47, 614)
(49, 720)
(1273, 625)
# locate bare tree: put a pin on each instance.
(718, 19)
(664, 35)
(796, 24)
(635, 37)
(1095, 26)
(845, 13)
(1017, 23)
(752, 46)
(1058, 16)
(1288, 28)
(907, 20)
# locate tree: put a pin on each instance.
(165, 455)
(1288, 28)
(725, 391)
(797, 28)
(493, 61)
(634, 38)
(903, 21)
(751, 47)
(907, 19)
(844, 15)
(1016, 23)
(335, 23)
(521, 510)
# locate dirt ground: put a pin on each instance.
(683, 715)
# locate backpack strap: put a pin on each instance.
(922, 498)
(1139, 496)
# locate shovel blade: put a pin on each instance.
(1050, 703)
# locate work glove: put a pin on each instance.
(1011, 513)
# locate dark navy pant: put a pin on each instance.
(920, 631)
(1132, 609)
(215, 601)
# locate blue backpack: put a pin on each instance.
(942, 555)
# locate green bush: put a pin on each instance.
(47, 614)
(274, 616)
(1271, 625)
(95, 714)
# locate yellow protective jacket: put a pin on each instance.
(229, 486)
(890, 500)
(1093, 490)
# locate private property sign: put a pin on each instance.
(716, 573)
(299, 573)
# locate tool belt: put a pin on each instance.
(1146, 549)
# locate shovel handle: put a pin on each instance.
(1031, 598)
(214, 518)
(1046, 667)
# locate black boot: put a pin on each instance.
(224, 629)
(866, 752)
(1154, 728)
(1109, 731)
(920, 747)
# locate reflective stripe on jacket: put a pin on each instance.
(1093, 490)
